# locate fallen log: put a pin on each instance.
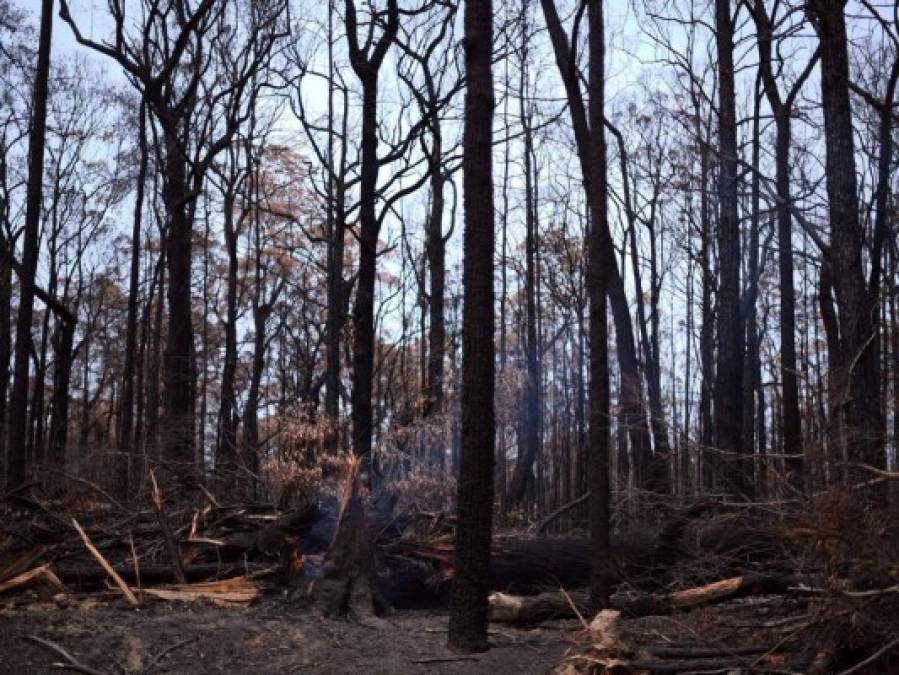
(530, 610)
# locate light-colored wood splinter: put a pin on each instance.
(126, 591)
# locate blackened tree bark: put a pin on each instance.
(633, 410)
(5, 339)
(782, 108)
(336, 231)
(5, 306)
(529, 427)
(734, 469)
(126, 402)
(707, 332)
(858, 377)
(226, 451)
(366, 66)
(597, 278)
(18, 402)
(178, 357)
(436, 249)
(654, 476)
(751, 361)
(468, 603)
(63, 348)
(885, 110)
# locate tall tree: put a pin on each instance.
(782, 109)
(598, 246)
(199, 112)
(126, 402)
(366, 60)
(728, 394)
(529, 425)
(633, 408)
(468, 602)
(18, 403)
(857, 374)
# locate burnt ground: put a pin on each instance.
(273, 637)
(268, 637)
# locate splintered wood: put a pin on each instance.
(130, 597)
(40, 573)
(225, 593)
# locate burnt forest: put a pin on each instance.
(449, 336)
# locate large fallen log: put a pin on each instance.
(532, 566)
(529, 610)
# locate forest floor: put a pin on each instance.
(267, 637)
(271, 636)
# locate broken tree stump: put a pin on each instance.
(346, 585)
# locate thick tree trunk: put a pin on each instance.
(366, 66)
(600, 263)
(436, 250)
(468, 604)
(782, 109)
(859, 374)
(707, 331)
(5, 339)
(733, 469)
(792, 427)
(178, 361)
(18, 402)
(363, 310)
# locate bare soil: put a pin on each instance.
(268, 637)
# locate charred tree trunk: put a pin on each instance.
(63, 345)
(707, 331)
(782, 109)
(5, 335)
(178, 360)
(522, 474)
(336, 230)
(18, 402)
(599, 257)
(468, 605)
(250, 416)
(366, 68)
(733, 469)
(859, 372)
(226, 453)
(633, 408)
(437, 266)
(126, 414)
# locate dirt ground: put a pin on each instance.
(268, 637)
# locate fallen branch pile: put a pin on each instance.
(832, 582)
(147, 553)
